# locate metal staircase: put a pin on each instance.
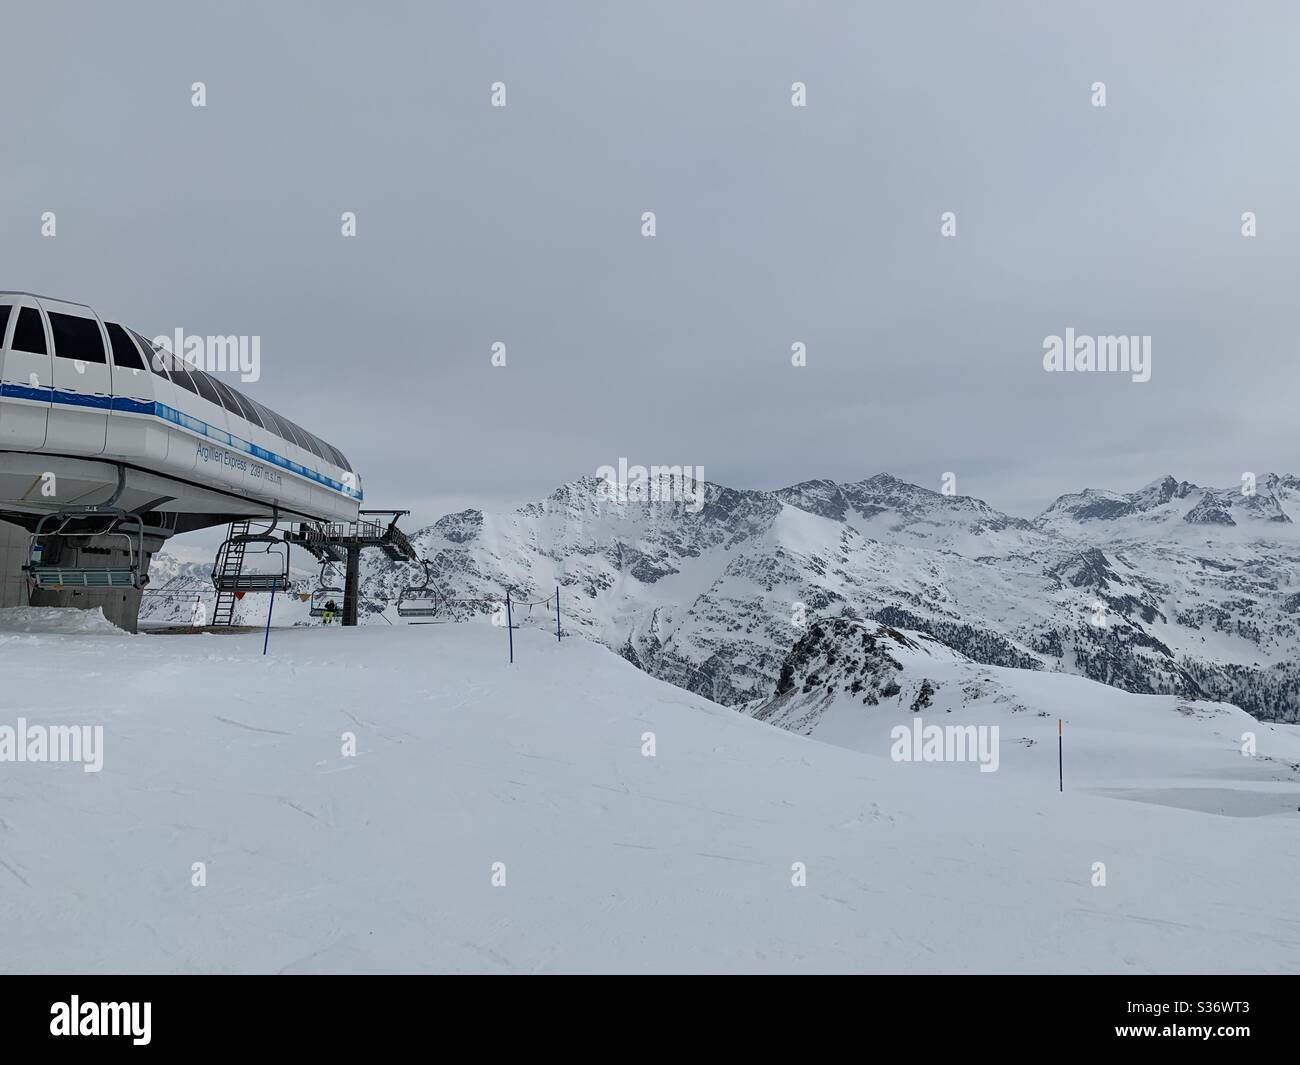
(313, 539)
(232, 565)
(335, 541)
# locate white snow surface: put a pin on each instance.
(55, 619)
(614, 862)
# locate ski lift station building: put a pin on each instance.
(109, 445)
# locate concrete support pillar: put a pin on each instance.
(14, 541)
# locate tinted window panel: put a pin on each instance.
(29, 333)
(281, 426)
(125, 353)
(268, 420)
(155, 358)
(246, 408)
(77, 338)
(294, 434)
(171, 366)
(204, 383)
(304, 438)
(4, 322)
(227, 399)
(339, 458)
(180, 375)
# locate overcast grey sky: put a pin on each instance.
(776, 224)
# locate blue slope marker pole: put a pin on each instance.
(267, 638)
(557, 613)
(1060, 753)
(510, 627)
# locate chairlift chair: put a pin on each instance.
(323, 594)
(418, 600)
(236, 579)
(47, 571)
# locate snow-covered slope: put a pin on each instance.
(612, 861)
(856, 684)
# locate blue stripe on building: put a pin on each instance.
(122, 404)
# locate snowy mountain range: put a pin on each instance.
(1174, 588)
